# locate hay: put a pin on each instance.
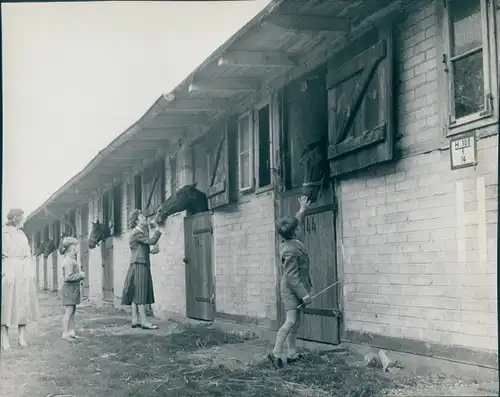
(178, 360)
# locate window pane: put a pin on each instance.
(468, 84)
(245, 169)
(243, 129)
(466, 29)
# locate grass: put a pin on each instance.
(178, 360)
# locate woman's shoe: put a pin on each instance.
(149, 326)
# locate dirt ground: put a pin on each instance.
(191, 360)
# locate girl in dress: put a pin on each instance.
(72, 276)
(19, 300)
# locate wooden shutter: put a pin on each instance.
(360, 103)
(137, 192)
(218, 193)
(153, 184)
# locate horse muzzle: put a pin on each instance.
(92, 244)
(311, 192)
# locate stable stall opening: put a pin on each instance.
(305, 120)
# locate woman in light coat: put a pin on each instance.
(19, 299)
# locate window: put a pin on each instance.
(245, 153)
(305, 120)
(173, 174)
(470, 61)
(138, 192)
(264, 153)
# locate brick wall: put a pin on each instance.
(419, 239)
(121, 251)
(245, 258)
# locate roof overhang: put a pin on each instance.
(268, 51)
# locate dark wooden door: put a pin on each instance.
(45, 274)
(107, 270)
(84, 250)
(107, 249)
(200, 292)
(320, 320)
(55, 256)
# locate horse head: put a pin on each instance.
(39, 250)
(49, 247)
(98, 233)
(188, 198)
(314, 158)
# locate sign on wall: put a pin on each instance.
(463, 150)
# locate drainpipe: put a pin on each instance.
(498, 242)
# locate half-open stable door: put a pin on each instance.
(198, 242)
(320, 319)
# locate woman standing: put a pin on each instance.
(19, 300)
(138, 289)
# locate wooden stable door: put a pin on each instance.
(107, 270)
(198, 242)
(107, 249)
(320, 319)
(84, 250)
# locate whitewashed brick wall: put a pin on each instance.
(245, 258)
(420, 239)
(121, 251)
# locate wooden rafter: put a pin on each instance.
(268, 59)
(314, 23)
(225, 85)
(196, 105)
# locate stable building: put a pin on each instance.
(405, 93)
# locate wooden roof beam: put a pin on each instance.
(312, 23)
(195, 104)
(168, 121)
(257, 59)
(225, 85)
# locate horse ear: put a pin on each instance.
(194, 184)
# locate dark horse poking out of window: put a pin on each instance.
(187, 198)
(49, 246)
(98, 233)
(39, 250)
(314, 158)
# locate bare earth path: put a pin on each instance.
(111, 359)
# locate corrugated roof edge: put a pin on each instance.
(132, 130)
